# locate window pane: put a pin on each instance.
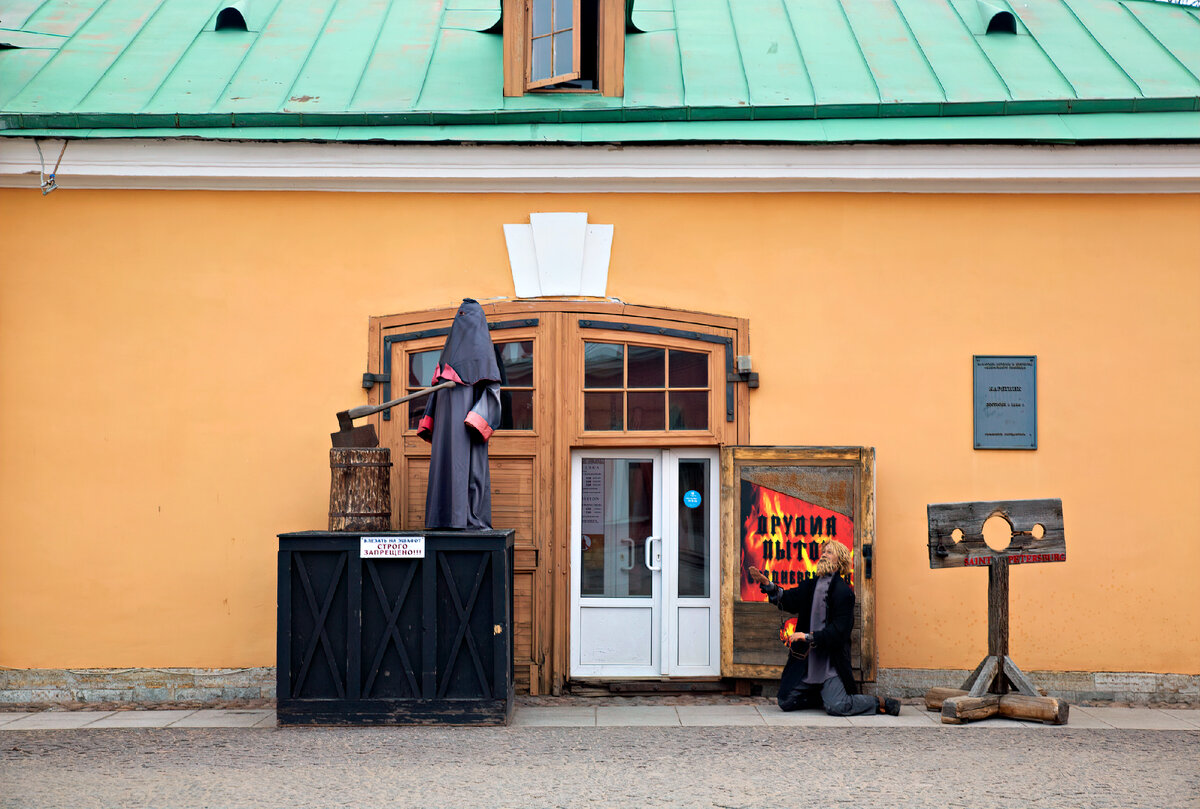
(541, 17)
(541, 59)
(616, 519)
(564, 10)
(415, 408)
(646, 411)
(602, 411)
(564, 54)
(603, 365)
(689, 409)
(518, 363)
(689, 369)
(516, 410)
(646, 367)
(420, 368)
(694, 528)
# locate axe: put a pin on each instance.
(350, 436)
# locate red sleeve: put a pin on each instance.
(476, 422)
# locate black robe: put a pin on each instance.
(458, 422)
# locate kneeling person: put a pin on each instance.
(818, 668)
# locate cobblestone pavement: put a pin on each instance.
(522, 766)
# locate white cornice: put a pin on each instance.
(242, 165)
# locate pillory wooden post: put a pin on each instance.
(956, 540)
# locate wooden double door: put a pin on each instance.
(580, 376)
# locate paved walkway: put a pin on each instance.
(574, 716)
(736, 755)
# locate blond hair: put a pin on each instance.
(845, 561)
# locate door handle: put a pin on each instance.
(656, 555)
(625, 555)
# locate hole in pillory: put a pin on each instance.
(997, 532)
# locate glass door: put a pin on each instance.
(692, 578)
(643, 568)
(616, 564)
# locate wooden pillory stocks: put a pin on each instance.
(956, 540)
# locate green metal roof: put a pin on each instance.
(424, 70)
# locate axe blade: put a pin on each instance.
(363, 437)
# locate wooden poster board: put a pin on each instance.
(764, 493)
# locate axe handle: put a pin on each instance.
(366, 410)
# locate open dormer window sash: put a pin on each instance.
(553, 49)
(581, 30)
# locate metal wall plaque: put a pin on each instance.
(1005, 402)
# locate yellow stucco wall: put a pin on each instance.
(170, 363)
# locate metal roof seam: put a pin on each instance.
(1053, 64)
(20, 23)
(141, 30)
(171, 72)
(678, 54)
(1103, 49)
(812, 88)
(246, 55)
(1158, 41)
(64, 48)
(920, 50)
(741, 60)
(300, 70)
(975, 41)
(437, 40)
(374, 47)
(861, 53)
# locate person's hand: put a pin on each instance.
(800, 637)
(757, 577)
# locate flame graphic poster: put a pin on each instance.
(783, 537)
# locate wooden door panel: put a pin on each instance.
(514, 505)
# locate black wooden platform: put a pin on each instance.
(395, 641)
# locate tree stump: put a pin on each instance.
(360, 490)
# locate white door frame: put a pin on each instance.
(686, 656)
(699, 654)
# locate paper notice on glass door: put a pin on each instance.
(592, 505)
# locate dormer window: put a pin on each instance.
(555, 43)
(564, 46)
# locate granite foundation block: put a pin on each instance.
(142, 686)
(1073, 686)
(31, 687)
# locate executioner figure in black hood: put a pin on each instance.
(458, 422)
(818, 672)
